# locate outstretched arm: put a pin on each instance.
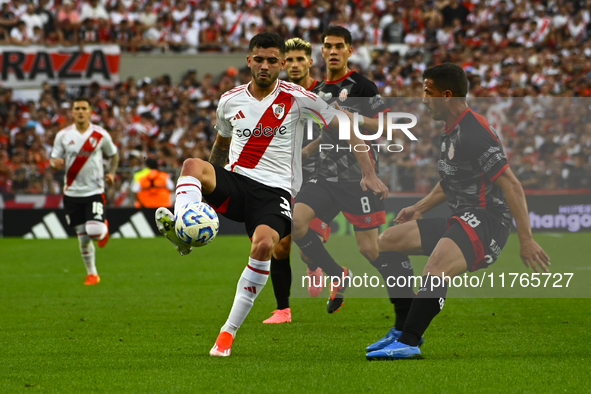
(531, 253)
(427, 203)
(220, 151)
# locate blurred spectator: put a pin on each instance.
(19, 34)
(7, 18)
(67, 12)
(31, 19)
(578, 177)
(94, 10)
(454, 10)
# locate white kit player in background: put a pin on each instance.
(260, 129)
(79, 148)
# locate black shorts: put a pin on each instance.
(245, 200)
(80, 210)
(364, 210)
(479, 236)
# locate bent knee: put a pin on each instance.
(388, 241)
(262, 247)
(369, 251)
(193, 167)
(394, 240)
(300, 228)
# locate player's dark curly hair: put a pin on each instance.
(267, 40)
(448, 76)
(337, 31)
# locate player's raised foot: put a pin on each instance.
(395, 351)
(280, 316)
(223, 345)
(390, 337)
(337, 293)
(92, 280)
(103, 241)
(315, 284)
(165, 224)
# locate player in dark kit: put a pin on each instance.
(336, 186)
(481, 191)
(298, 60)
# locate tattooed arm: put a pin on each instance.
(113, 164)
(220, 151)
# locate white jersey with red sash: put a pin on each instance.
(267, 135)
(83, 156)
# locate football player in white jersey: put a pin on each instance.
(260, 129)
(79, 148)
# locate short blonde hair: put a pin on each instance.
(297, 44)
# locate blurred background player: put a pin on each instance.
(79, 148)
(298, 60)
(263, 171)
(482, 193)
(336, 186)
(153, 189)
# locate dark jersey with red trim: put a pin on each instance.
(471, 159)
(340, 164)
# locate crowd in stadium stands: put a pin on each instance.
(510, 49)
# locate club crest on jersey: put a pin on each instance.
(325, 96)
(343, 95)
(93, 142)
(451, 151)
(279, 110)
(368, 219)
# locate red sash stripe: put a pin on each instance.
(255, 147)
(89, 146)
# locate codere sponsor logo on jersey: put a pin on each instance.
(261, 131)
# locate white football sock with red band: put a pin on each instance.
(253, 279)
(188, 190)
(86, 249)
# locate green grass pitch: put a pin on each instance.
(149, 325)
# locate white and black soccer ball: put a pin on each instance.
(196, 224)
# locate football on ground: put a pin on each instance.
(196, 224)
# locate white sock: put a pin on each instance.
(86, 249)
(188, 189)
(253, 279)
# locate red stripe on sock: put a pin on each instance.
(258, 271)
(188, 184)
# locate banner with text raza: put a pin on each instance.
(30, 66)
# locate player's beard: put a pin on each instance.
(266, 83)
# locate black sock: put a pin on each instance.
(394, 264)
(314, 249)
(426, 305)
(311, 265)
(281, 279)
